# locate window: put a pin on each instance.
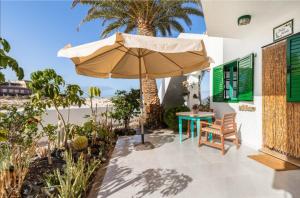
(293, 68)
(233, 81)
(230, 81)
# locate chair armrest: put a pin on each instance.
(210, 125)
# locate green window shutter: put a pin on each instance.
(218, 84)
(293, 68)
(245, 78)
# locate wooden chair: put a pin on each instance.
(221, 128)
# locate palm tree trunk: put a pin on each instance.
(152, 107)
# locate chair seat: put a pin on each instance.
(212, 130)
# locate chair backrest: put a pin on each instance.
(228, 122)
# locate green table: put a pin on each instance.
(192, 117)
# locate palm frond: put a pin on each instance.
(176, 26)
(159, 16)
(113, 27)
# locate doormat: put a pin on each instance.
(273, 162)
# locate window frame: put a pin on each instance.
(231, 65)
(289, 84)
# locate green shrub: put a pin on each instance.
(171, 119)
(126, 106)
(73, 181)
(103, 133)
(123, 132)
(80, 143)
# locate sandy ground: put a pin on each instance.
(5, 100)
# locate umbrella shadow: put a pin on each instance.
(158, 138)
(123, 147)
(166, 182)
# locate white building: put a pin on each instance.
(232, 45)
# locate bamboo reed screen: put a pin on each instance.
(281, 119)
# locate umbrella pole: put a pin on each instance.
(141, 101)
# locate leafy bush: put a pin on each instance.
(49, 89)
(14, 163)
(171, 119)
(126, 106)
(19, 127)
(205, 105)
(75, 178)
(122, 132)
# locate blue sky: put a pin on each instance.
(37, 29)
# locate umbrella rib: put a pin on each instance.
(118, 62)
(150, 52)
(145, 65)
(170, 60)
(128, 51)
(134, 54)
(195, 53)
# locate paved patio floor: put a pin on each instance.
(185, 170)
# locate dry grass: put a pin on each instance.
(13, 171)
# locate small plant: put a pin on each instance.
(50, 131)
(80, 143)
(73, 181)
(126, 106)
(93, 92)
(185, 85)
(14, 163)
(205, 105)
(195, 108)
(171, 119)
(47, 87)
(19, 127)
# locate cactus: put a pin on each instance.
(80, 143)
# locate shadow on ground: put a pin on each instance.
(289, 181)
(155, 139)
(166, 182)
(160, 137)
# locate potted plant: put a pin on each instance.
(186, 92)
(195, 109)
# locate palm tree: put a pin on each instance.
(145, 17)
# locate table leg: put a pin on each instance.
(188, 129)
(192, 128)
(210, 135)
(198, 128)
(180, 129)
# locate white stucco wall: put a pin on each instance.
(239, 41)
(250, 123)
(214, 49)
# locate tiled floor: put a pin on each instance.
(185, 170)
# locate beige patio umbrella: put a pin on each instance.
(135, 56)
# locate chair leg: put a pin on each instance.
(222, 143)
(188, 129)
(236, 140)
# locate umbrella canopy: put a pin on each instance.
(135, 56)
(118, 56)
